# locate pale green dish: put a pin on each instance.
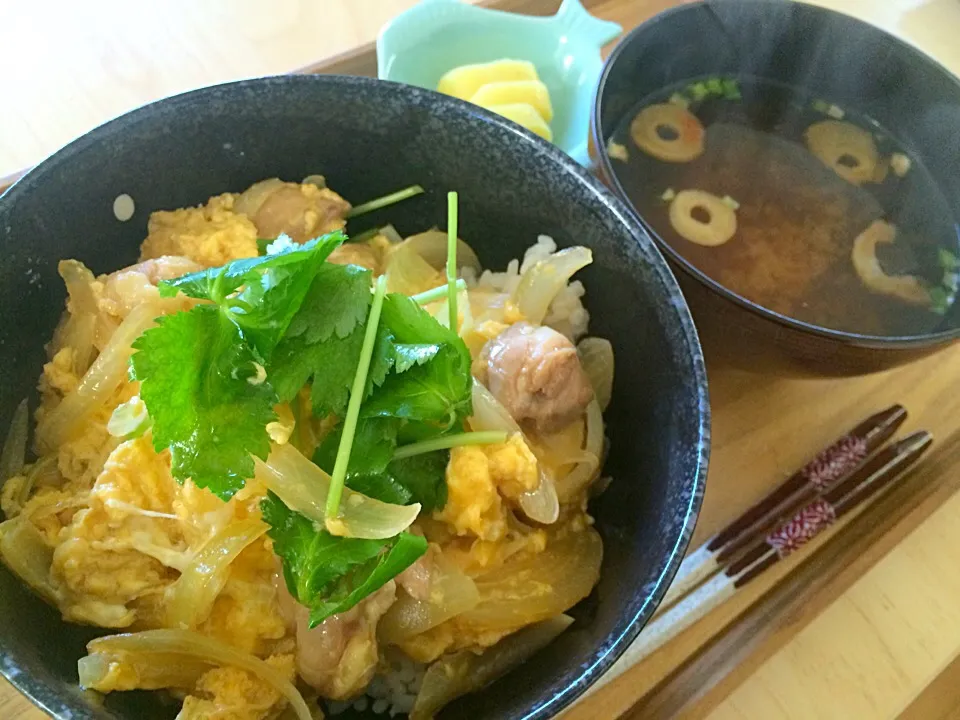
(420, 45)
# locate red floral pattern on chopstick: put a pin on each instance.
(802, 527)
(835, 462)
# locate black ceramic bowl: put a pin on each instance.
(830, 55)
(368, 138)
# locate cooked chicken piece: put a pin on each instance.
(119, 292)
(416, 579)
(339, 656)
(126, 288)
(301, 211)
(536, 374)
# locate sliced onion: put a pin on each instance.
(540, 505)
(391, 234)
(139, 671)
(79, 281)
(540, 284)
(451, 593)
(190, 599)
(489, 413)
(14, 454)
(303, 488)
(191, 647)
(438, 310)
(432, 247)
(319, 180)
(488, 306)
(529, 588)
(80, 334)
(28, 556)
(78, 330)
(99, 382)
(408, 273)
(465, 671)
(251, 199)
(44, 473)
(596, 357)
(586, 471)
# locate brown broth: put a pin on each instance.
(797, 219)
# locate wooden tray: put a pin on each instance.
(764, 427)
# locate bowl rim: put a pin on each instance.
(605, 166)
(613, 645)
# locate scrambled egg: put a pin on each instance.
(114, 550)
(478, 335)
(246, 613)
(479, 479)
(212, 234)
(232, 694)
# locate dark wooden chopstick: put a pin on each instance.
(891, 465)
(876, 474)
(818, 475)
(830, 467)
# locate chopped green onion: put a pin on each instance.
(948, 261)
(452, 258)
(951, 280)
(386, 200)
(731, 89)
(489, 437)
(940, 300)
(437, 293)
(698, 90)
(339, 474)
(129, 419)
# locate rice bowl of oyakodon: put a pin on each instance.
(344, 417)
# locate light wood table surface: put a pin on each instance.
(889, 646)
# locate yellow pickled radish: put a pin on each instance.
(524, 114)
(532, 92)
(464, 81)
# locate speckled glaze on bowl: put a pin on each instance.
(370, 137)
(832, 56)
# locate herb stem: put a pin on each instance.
(366, 235)
(489, 437)
(338, 477)
(452, 258)
(437, 293)
(386, 200)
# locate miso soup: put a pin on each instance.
(808, 209)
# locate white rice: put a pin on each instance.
(393, 689)
(566, 314)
